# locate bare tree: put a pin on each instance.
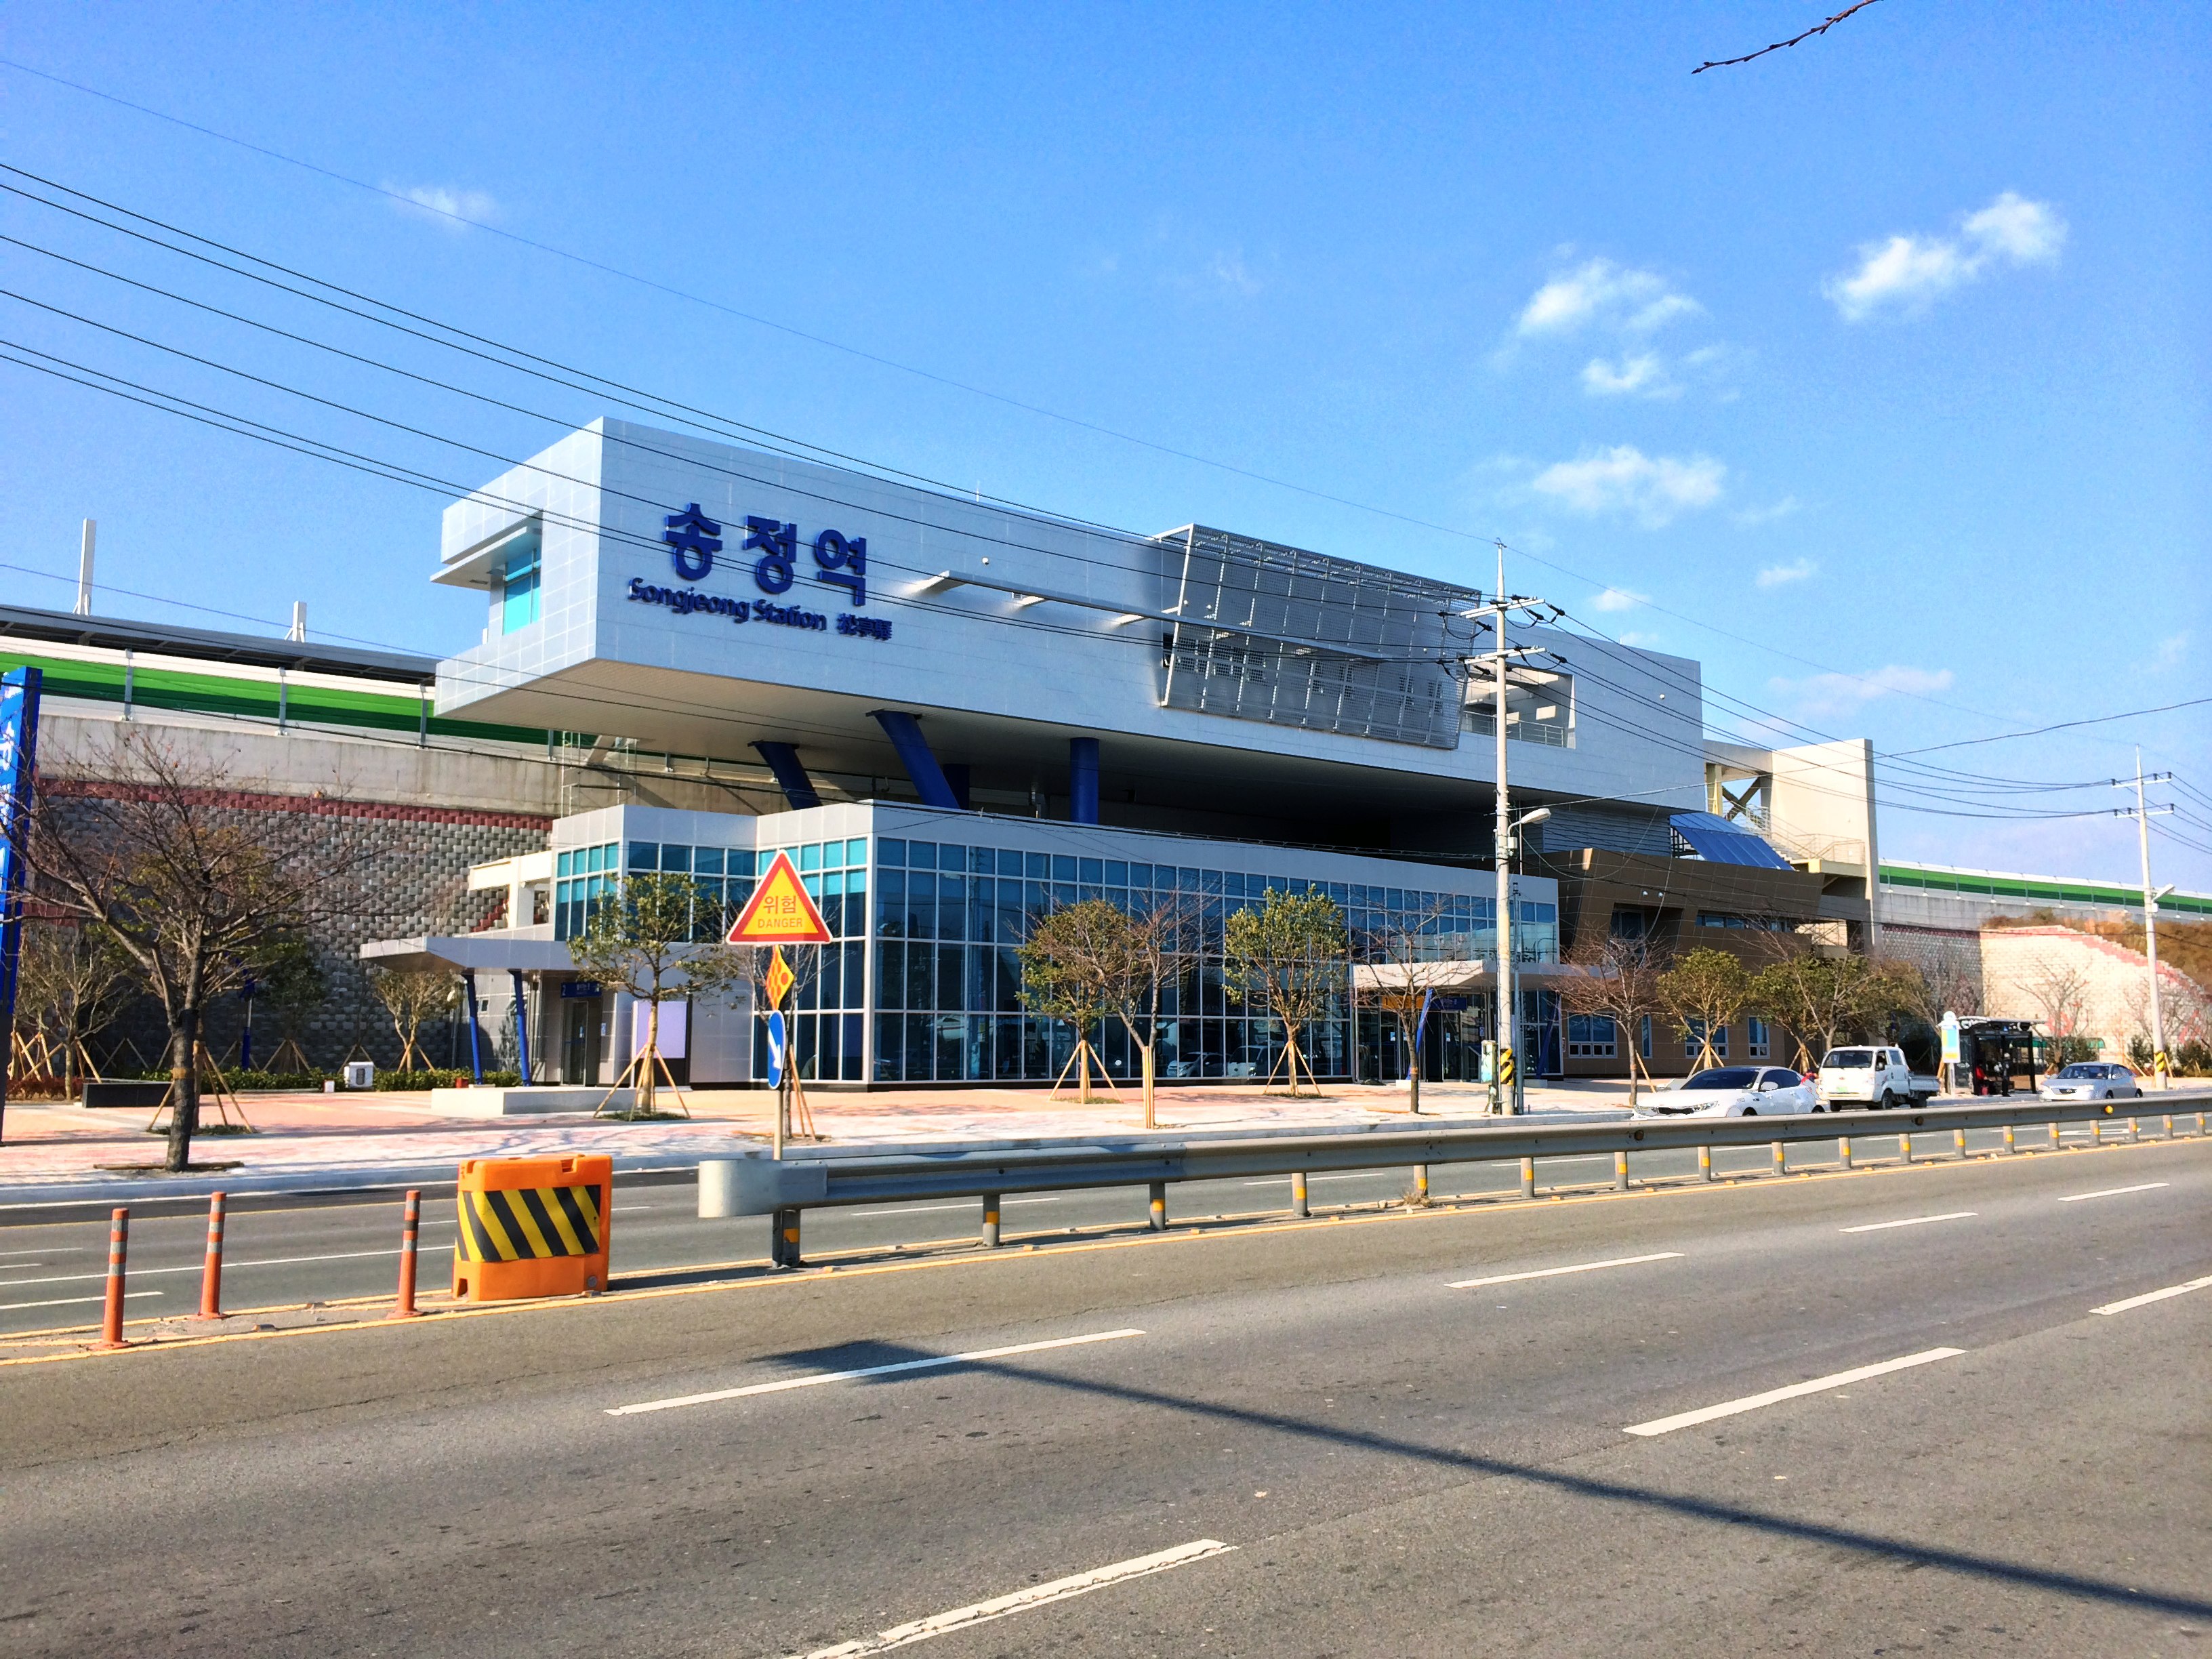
(74, 980)
(413, 997)
(149, 842)
(1617, 979)
(2060, 995)
(1400, 967)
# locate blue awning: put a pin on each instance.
(1716, 839)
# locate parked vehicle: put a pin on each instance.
(1734, 1091)
(2092, 1079)
(1871, 1075)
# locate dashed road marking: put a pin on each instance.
(816, 1378)
(1553, 1273)
(70, 1301)
(2115, 1192)
(1035, 1596)
(2153, 1295)
(1752, 1402)
(1909, 1221)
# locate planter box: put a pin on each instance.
(131, 1096)
(487, 1102)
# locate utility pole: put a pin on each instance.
(84, 550)
(2142, 814)
(1508, 1072)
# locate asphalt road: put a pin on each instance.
(285, 1251)
(1315, 1439)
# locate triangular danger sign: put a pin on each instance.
(780, 912)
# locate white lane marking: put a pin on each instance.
(70, 1301)
(21, 1264)
(1035, 1596)
(266, 1261)
(1552, 1273)
(2154, 1296)
(2114, 1192)
(918, 1209)
(816, 1378)
(1753, 1401)
(1910, 1221)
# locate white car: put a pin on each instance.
(2092, 1079)
(1734, 1092)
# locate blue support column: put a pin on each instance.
(1083, 780)
(956, 776)
(783, 760)
(921, 768)
(521, 1025)
(476, 1036)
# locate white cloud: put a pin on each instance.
(1758, 515)
(1908, 273)
(450, 208)
(2026, 233)
(1230, 274)
(2170, 650)
(1600, 291)
(1831, 695)
(1654, 489)
(1643, 375)
(1781, 576)
(1618, 598)
(1646, 642)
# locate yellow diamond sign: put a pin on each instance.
(780, 912)
(779, 978)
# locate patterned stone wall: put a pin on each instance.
(396, 870)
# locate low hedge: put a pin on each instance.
(441, 1076)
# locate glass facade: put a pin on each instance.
(923, 983)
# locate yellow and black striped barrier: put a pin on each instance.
(532, 1226)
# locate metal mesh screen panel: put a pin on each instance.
(1286, 637)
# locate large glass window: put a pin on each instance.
(518, 588)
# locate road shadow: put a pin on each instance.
(1875, 1546)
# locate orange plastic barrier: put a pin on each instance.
(533, 1226)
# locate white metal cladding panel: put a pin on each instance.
(976, 649)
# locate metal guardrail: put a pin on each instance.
(759, 1186)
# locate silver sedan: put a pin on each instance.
(2092, 1079)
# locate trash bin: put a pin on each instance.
(533, 1226)
(360, 1074)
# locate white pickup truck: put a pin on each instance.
(1872, 1076)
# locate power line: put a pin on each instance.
(1759, 644)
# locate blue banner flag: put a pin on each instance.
(19, 748)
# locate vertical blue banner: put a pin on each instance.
(19, 748)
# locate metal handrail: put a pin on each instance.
(758, 1185)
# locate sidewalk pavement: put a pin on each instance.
(66, 1154)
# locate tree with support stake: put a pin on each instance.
(780, 912)
(1071, 962)
(643, 939)
(139, 842)
(412, 996)
(1403, 964)
(1290, 958)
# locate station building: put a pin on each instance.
(955, 716)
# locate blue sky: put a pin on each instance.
(1873, 373)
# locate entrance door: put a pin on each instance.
(580, 1046)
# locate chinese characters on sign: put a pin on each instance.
(840, 560)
